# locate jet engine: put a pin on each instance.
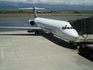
(31, 22)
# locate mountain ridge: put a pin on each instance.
(16, 5)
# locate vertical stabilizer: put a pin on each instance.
(34, 10)
(35, 13)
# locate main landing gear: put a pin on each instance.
(36, 32)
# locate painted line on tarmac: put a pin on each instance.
(2, 53)
(26, 25)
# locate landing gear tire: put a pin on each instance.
(36, 32)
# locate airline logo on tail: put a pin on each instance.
(35, 14)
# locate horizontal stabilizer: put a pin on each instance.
(32, 8)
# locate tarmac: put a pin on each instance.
(20, 50)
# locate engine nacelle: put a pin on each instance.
(31, 22)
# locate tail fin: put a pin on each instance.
(34, 10)
(35, 13)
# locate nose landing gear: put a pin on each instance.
(73, 45)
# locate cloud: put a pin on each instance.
(68, 2)
(15, 0)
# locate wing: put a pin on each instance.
(24, 28)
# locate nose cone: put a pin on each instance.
(71, 35)
(74, 35)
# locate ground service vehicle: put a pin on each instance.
(87, 51)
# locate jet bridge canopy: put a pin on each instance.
(83, 26)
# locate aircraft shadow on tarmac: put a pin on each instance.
(86, 57)
(56, 40)
(50, 37)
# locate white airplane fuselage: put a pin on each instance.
(57, 27)
(60, 28)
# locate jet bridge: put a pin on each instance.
(83, 26)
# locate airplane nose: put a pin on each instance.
(74, 36)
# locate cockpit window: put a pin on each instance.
(65, 27)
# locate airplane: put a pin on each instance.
(60, 28)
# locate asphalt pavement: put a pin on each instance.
(20, 50)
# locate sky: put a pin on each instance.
(68, 2)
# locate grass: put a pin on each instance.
(44, 13)
(40, 15)
(58, 11)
